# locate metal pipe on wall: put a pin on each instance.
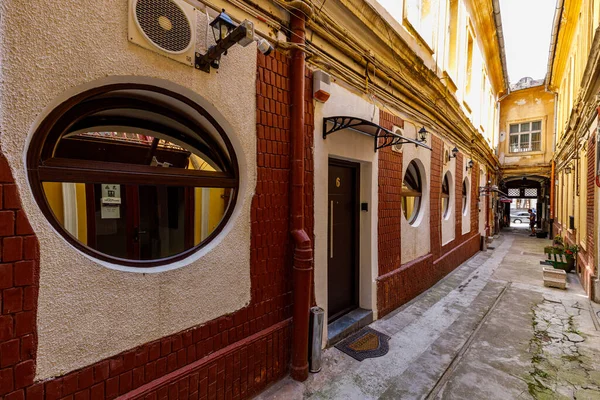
(303, 254)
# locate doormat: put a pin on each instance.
(366, 343)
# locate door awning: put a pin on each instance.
(382, 137)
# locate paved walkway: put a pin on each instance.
(489, 330)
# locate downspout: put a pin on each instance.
(552, 179)
(303, 254)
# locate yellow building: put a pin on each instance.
(573, 71)
(526, 145)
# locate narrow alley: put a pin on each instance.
(489, 330)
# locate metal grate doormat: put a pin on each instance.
(366, 343)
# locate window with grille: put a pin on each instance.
(530, 192)
(514, 192)
(526, 136)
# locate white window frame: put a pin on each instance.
(524, 146)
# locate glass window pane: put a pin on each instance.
(465, 195)
(514, 128)
(535, 136)
(132, 148)
(137, 222)
(525, 127)
(411, 196)
(536, 126)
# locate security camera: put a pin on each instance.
(264, 46)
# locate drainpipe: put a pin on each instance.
(552, 179)
(303, 254)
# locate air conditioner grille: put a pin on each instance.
(165, 24)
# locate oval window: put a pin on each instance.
(465, 195)
(133, 174)
(412, 191)
(446, 195)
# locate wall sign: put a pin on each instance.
(110, 201)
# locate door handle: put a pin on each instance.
(137, 233)
(331, 230)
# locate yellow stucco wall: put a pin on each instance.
(532, 104)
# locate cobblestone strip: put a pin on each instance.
(558, 367)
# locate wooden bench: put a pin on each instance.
(556, 257)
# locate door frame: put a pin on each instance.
(356, 239)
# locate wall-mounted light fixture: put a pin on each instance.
(422, 135)
(469, 165)
(226, 34)
(568, 169)
(454, 153)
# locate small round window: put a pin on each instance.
(133, 174)
(465, 196)
(412, 192)
(446, 195)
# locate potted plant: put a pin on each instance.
(558, 240)
(571, 254)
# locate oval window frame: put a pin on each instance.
(420, 185)
(46, 132)
(465, 196)
(448, 179)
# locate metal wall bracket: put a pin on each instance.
(382, 137)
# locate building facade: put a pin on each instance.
(165, 230)
(526, 147)
(573, 76)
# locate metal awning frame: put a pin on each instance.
(378, 133)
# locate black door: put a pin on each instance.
(342, 238)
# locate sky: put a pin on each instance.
(527, 26)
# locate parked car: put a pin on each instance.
(519, 217)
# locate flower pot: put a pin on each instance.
(570, 264)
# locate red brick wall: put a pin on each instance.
(591, 189)
(435, 230)
(397, 284)
(474, 197)
(458, 202)
(234, 356)
(404, 284)
(19, 277)
(487, 208)
(390, 209)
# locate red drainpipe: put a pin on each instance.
(303, 254)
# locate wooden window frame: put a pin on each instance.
(446, 194)
(76, 114)
(418, 192)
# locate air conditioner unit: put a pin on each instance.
(397, 147)
(167, 27)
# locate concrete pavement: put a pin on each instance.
(489, 330)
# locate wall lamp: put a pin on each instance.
(469, 165)
(422, 135)
(454, 153)
(226, 34)
(568, 169)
